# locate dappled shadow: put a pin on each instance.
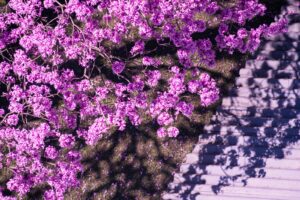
(256, 127)
(132, 164)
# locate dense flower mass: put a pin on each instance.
(76, 70)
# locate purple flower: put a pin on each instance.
(175, 69)
(138, 47)
(1, 112)
(12, 120)
(185, 108)
(96, 130)
(165, 119)
(193, 86)
(118, 67)
(162, 132)
(153, 77)
(212, 8)
(141, 100)
(176, 85)
(48, 3)
(101, 93)
(84, 85)
(242, 33)
(148, 61)
(51, 152)
(73, 155)
(223, 28)
(66, 140)
(184, 57)
(173, 131)
(16, 107)
(209, 92)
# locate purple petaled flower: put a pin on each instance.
(148, 61)
(212, 8)
(201, 26)
(204, 44)
(165, 119)
(50, 195)
(209, 96)
(101, 93)
(5, 67)
(12, 120)
(118, 67)
(162, 132)
(1, 112)
(51, 152)
(15, 107)
(48, 3)
(120, 89)
(153, 77)
(137, 85)
(242, 33)
(209, 92)
(96, 130)
(19, 184)
(82, 133)
(185, 108)
(176, 85)
(83, 85)
(184, 57)
(66, 140)
(74, 155)
(141, 100)
(138, 47)
(193, 86)
(175, 69)
(223, 28)
(276, 27)
(173, 131)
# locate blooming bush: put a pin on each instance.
(54, 92)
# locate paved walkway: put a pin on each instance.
(252, 147)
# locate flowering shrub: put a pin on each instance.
(48, 102)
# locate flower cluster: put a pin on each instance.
(57, 168)
(67, 74)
